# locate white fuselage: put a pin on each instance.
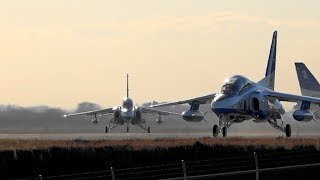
(127, 110)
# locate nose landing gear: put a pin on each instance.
(224, 124)
(224, 132)
(148, 129)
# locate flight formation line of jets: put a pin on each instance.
(239, 100)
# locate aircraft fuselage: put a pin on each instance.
(128, 110)
(244, 101)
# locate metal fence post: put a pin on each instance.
(112, 173)
(40, 177)
(257, 165)
(184, 169)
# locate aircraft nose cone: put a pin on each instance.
(214, 105)
(218, 105)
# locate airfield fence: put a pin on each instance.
(253, 165)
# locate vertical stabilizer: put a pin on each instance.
(269, 79)
(309, 85)
(127, 85)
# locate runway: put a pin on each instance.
(119, 136)
(95, 136)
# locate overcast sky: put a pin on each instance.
(60, 53)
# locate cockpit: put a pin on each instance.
(234, 85)
(127, 103)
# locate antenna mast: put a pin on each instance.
(127, 85)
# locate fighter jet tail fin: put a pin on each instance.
(309, 85)
(269, 79)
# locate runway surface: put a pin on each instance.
(119, 136)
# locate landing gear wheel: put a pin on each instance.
(215, 130)
(288, 130)
(224, 132)
(107, 129)
(148, 129)
(127, 129)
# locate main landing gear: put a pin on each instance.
(143, 125)
(286, 129)
(107, 129)
(224, 132)
(112, 124)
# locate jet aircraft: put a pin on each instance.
(241, 99)
(125, 114)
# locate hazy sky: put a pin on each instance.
(62, 52)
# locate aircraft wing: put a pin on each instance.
(157, 112)
(100, 111)
(292, 98)
(201, 100)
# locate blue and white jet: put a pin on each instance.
(125, 114)
(241, 99)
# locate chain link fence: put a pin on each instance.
(263, 166)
